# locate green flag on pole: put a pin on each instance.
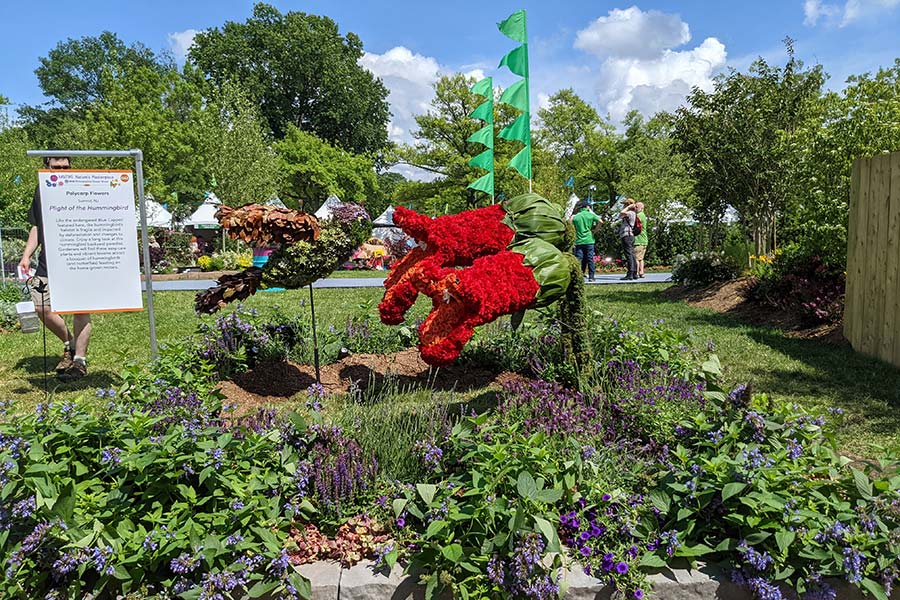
(484, 136)
(517, 60)
(484, 88)
(485, 160)
(514, 27)
(517, 95)
(485, 112)
(485, 184)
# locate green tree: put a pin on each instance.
(301, 72)
(236, 150)
(441, 148)
(583, 144)
(652, 170)
(743, 140)
(158, 113)
(862, 120)
(77, 73)
(313, 169)
(17, 173)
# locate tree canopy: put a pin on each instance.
(302, 72)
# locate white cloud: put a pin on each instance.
(180, 42)
(640, 69)
(633, 33)
(409, 79)
(659, 84)
(841, 15)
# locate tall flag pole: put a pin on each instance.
(484, 136)
(517, 95)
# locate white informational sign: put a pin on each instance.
(89, 240)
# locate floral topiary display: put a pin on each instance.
(477, 266)
(310, 249)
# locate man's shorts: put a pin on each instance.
(639, 252)
(40, 298)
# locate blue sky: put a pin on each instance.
(616, 55)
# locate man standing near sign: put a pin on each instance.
(74, 363)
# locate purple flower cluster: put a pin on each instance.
(230, 341)
(336, 471)
(549, 407)
(523, 575)
(184, 563)
(179, 407)
(636, 398)
(261, 421)
(314, 396)
(761, 587)
(853, 565)
(760, 562)
(111, 456)
(430, 452)
(739, 397)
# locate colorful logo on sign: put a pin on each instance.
(54, 181)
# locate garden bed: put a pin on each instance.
(280, 381)
(731, 297)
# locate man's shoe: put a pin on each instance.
(65, 363)
(76, 371)
(627, 278)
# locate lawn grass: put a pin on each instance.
(118, 338)
(808, 372)
(805, 371)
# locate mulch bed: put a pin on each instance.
(731, 297)
(278, 382)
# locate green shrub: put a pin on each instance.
(703, 268)
(761, 484)
(126, 501)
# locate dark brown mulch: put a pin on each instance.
(731, 297)
(276, 382)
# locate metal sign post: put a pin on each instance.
(138, 157)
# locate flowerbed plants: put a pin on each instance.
(162, 493)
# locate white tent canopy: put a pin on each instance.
(275, 201)
(570, 206)
(205, 216)
(324, 211)
(384, 229)
(157, 215)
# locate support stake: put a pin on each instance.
(312, 308)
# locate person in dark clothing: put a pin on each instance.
(626, 234)
(74, 362)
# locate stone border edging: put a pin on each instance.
(332, 582)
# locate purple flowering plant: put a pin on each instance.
(760, 484)
(109, 499)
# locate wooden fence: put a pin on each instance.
(872, 312)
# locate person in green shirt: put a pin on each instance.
(586, 224)
(641, 241)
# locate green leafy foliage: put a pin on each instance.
(703, 268)
(761, 484)
(314, 169)
(300, 70)
(130, 501)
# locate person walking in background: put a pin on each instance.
(74, 361)
(586, 224)
(626, 234)
(641, 240)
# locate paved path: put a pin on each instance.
(361, 282)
